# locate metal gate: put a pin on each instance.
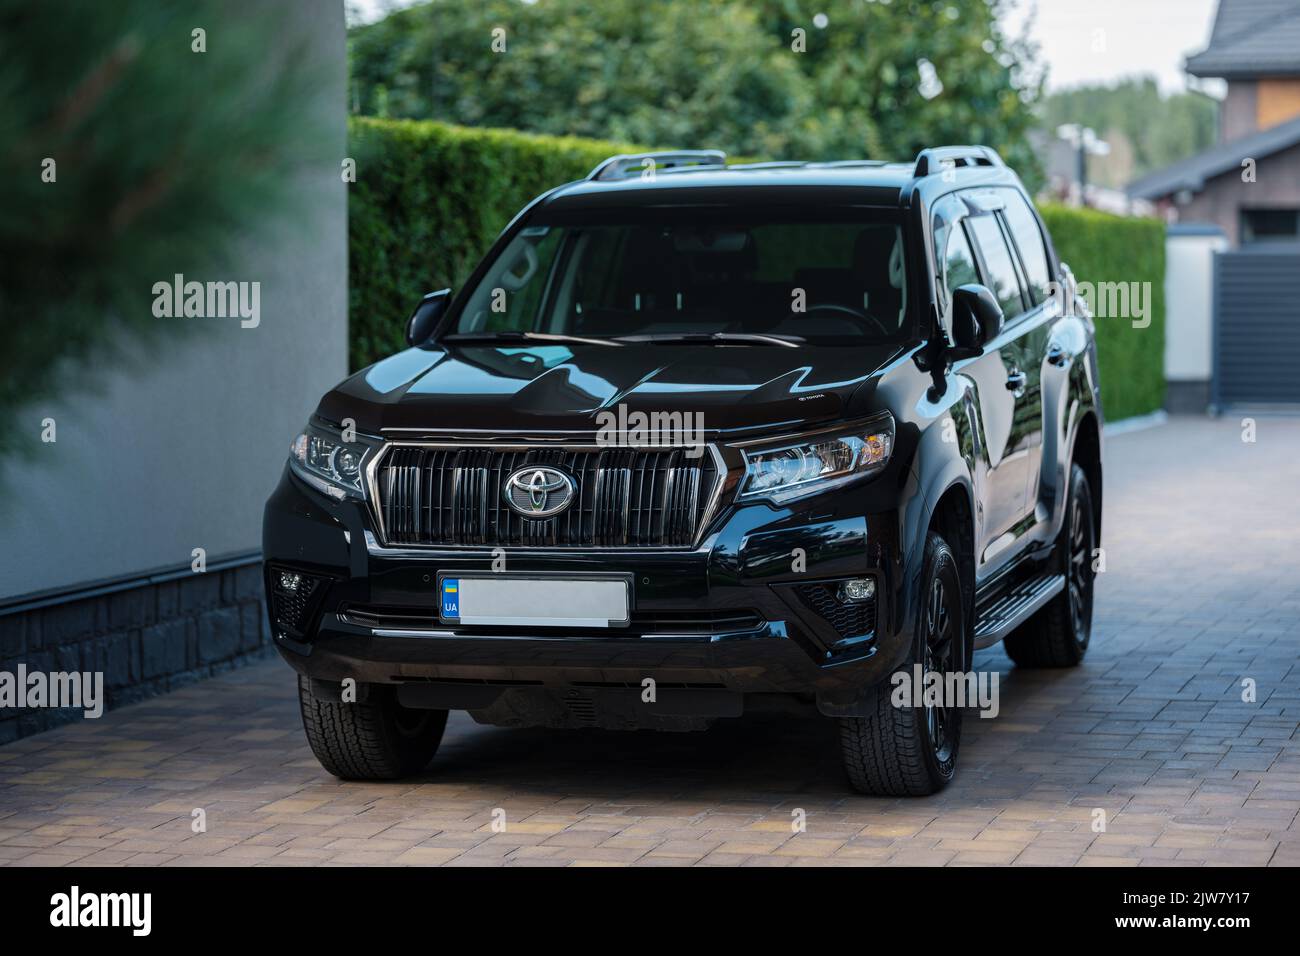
(1257, 326)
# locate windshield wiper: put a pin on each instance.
(705, 338)
(514, 336)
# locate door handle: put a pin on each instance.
(1016, 380)
(1056, 355)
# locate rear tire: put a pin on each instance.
(375, 740)
(912, 751)
(1058, 635)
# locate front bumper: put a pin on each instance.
(739, 614)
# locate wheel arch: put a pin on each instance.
(1085, 450)
(952, 517)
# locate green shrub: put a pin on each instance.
(1105, 248)
(428, 202)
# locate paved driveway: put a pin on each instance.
(1201, 590)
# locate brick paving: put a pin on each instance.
(1201, 590)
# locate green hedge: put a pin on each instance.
(1105, 248)
(430, 199)
(428, 202)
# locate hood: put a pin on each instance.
(476, 388)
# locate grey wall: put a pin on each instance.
(1237, 110)
(181, 451)
(1277, 185)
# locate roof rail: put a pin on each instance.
(619, 167)
(931, 160)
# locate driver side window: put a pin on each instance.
(510, 295)
(958, 266)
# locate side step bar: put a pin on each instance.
(1010, 610)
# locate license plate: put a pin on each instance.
(534, 601)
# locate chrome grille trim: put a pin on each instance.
(465, 498)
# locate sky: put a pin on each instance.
(1136, 36)
(1080, 41)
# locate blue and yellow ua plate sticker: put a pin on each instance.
(451, 597)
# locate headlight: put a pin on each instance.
(320, 457)
(792, 470)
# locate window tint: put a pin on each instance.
(1001, 278)
(784, 249)
(830, 276)
(1029, 239)
(510, 296)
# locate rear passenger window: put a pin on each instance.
(1029, 240)
(1001, 278)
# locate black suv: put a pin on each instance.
(695, 438)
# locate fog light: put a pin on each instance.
(857, 589)
(295, 597)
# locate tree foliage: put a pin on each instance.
(127, 156)
(707, 73)
(868, 67)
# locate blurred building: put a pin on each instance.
(1061, 165)
(1233, 262)
(1249, 183)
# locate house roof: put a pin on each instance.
(1192, 173)
(1251, 38)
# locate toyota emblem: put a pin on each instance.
(538, 491)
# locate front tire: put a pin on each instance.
(375, 740)
(912, 751)
(1058, 635)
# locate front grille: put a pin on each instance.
(849, 619)
(624, 497)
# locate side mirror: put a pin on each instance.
(976, 319)
(425, 317)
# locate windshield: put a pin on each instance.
(683, 274)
